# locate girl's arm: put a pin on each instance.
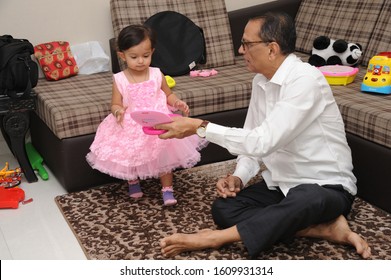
(173, 100)
(117, 108)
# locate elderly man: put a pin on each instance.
(294, 127)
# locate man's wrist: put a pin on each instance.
(201, 129)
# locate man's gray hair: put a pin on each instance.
(279, 28)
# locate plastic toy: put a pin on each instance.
(326, 51)
(36, 161)
(339, 75)
(203, 73)
(378, 76)
(10, 178)
(10, 198)
(148, 119)
(170, 81)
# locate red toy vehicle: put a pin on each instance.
(10, 178)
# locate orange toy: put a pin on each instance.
(10, 198)
(10, 177)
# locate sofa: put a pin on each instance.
(70, 110)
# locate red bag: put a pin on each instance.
(56, 60)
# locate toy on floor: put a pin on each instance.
(378, 76)
(36, 161)
(326, 51)
(10, 198)
(339, 75)
(10, 177)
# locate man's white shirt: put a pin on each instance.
(294, 126)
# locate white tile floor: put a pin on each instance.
(36, 231)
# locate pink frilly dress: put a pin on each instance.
(126, 152)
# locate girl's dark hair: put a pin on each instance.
(279, 28)
(133, 35)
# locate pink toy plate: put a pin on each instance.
(338, 70)
(339, 74)
(148, 119)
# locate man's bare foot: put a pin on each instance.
(179, 242)
(338, 231)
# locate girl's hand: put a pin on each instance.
(119, 115)
(182, 106)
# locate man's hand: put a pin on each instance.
(180, 127)
(229, 186)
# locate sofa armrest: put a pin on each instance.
(238, 18)
(115, 68)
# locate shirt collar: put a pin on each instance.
(281, 73)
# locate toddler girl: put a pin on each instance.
(120, 148)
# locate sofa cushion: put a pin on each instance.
(230, 89)
(380, 40)
(211, 16)
(76, 106)
(366, 115)
(337, 19)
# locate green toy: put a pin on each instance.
(36, 161)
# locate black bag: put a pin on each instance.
(180, 43)
(18, 72)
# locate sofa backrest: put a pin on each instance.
(350, 20)
(211, 16)
(381, 36)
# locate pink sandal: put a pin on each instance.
(168, 196)
(135, 191)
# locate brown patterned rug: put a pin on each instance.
(109, 225)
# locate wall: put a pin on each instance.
(75, 21)
(42, 21)
(236, 4)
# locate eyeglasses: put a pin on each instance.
(247, 44)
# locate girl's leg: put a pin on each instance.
(135, 189)
(168, 192)
(166, 179)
